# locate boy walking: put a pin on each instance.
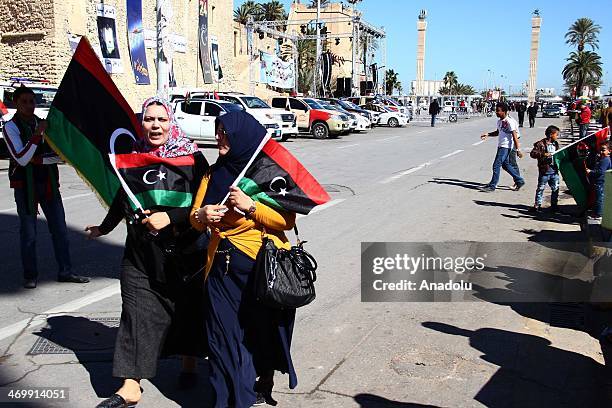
(547, 171)
(597, 177)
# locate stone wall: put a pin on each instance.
(26, 39)
(34, 43)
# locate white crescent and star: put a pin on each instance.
(160, 176)
(282, 190)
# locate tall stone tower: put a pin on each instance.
(420, 57)
(536, 23)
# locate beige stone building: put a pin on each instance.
(34, 43)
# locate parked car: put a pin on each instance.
(551, 111)
(196, 117)
(387, 116)
(348, 106)
(562, 108)
(353, 121)
(381, 100)
(361, 117)
(312, 117)
(287, 121)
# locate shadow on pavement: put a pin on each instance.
(524, 211)
(93, 342)
(375, 401)
(89, 257)
(532, 373)
(470, 185)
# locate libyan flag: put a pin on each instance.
(93, 128)
(276, 178)
(573, 160)
(86, 112)
(156, 181)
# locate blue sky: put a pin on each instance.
(472, 37)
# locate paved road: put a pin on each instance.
(412, 184)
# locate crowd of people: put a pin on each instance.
(509, 148)
(214, 242)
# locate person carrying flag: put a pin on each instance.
(161, 314)
(34, 176)
(247, 339)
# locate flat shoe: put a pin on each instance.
(72, 278)
(116, 401)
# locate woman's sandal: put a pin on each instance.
(117, 401)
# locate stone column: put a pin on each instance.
(536, 23)
(420, 57)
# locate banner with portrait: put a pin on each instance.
(203, 42)
(276, 72)
(107, 34)
(138, 55)
(214, 58)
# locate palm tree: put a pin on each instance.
(464, 89)
(450, 80)
(583, 32)
(313, 3)
(581, 68)
(248, 9)
(391, 81)
(399, 87)
(272, 11)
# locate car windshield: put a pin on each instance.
(232, 107)
(313, 104)
(349, 104)
(254, 102)
(327, 105)
(44, 97)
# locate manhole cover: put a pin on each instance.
(423, 364)
(72, 335)
(567, 315)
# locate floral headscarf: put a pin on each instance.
(176, 145)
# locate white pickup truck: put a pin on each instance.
(196, 117)
(264, 113)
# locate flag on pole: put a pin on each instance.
(276, 178)
(157, 181)
(90, 119)
(572, 161)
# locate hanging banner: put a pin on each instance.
(73, 40)
(216, 61)
(107, 34)
(276, 72)
(179, 42)
(138, 55)
(203, 42)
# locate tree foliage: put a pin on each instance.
(583, 32)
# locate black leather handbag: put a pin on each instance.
(284, 279)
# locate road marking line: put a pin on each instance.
(389, 138)
(405, 173)
(344, 147)
(69, 307)
(63, 199)
(477, 143)
(322, 207)
(451, 154)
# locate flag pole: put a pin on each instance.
(243, 172)
(580, 140)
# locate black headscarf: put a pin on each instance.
(244, 134)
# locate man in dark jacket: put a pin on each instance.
(434, 109)
(548, 173)
(521, 109)
(532, 111)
